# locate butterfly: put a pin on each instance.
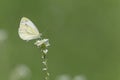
(27, 30)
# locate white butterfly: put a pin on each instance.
(27, 30)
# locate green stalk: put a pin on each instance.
(45, 66)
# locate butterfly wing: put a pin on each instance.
(27, 30)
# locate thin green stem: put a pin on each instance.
(45, 67)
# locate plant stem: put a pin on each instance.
(45, 67)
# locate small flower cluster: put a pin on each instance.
(43, 44)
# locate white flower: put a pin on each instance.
(45, 51)
(44, 42)
(44, 69)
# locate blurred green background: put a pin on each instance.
(84, 37)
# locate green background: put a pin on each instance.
(84, 37)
